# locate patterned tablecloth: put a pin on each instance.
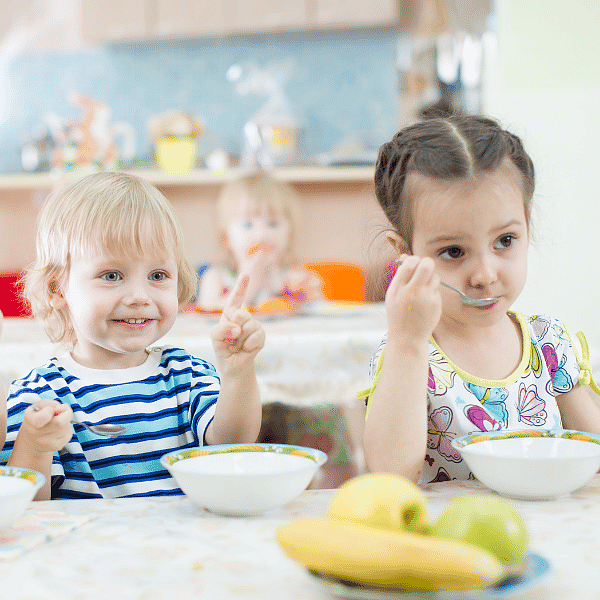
(161, 549)
(309, 372)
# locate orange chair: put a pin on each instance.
(12, 303)
(341, 280)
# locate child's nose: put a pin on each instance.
(137, 293)
(484, 272)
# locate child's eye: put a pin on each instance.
(247, 224)
(453, 252)
(504, 242)
(273, 224)
(111, 276)
(158, 276)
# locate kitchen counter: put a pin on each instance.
(298, 174)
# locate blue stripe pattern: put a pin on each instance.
(169, 409)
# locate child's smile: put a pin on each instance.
(119, 306)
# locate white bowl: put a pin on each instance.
(243, 479)
(531, 464)
(17, 489)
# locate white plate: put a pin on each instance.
(538, 568)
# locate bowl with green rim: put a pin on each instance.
(531, 464)
(243, 479)
(17, 489)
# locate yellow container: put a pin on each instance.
(176, 154)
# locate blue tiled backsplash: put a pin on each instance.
(342, 83)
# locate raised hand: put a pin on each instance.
(413, 301)
(237, 337)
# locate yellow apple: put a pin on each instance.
(381, 500)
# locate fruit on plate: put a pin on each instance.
(381, 558)
(381, 500)
(487, 521)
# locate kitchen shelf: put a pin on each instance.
(199, 177)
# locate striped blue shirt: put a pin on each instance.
(165, 404)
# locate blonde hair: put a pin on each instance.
(108, 210)
(258, 192)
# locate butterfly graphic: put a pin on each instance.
(481, 419)
(531, 408)
(535, 361)
(540, 326)
(492, 400)
(442, 475)
(441, 374)
(439, 438)
(561, 381)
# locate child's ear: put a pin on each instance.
(398, 243)
(57, 299)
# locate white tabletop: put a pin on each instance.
(307, 359)
(170, 548)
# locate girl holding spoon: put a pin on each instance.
(457, 192)
(109, 278)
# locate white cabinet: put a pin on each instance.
(190, 18)
(356, 13)
(116, 21)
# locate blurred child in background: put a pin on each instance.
(258, 220)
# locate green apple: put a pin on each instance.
(489, 522)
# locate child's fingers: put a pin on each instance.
(236, 297)
(252, 337)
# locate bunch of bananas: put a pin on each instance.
(377, 533)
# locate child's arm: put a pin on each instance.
(237, 339)
(2, 415)
(41, 433)
(395, 435)
(578, 410)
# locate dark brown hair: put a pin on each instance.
(450, 148)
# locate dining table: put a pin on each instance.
(166, 548)
(314, 362)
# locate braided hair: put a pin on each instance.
(450, 148)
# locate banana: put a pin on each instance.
(389, 559)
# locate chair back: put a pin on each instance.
(12, 303)
(341, 280)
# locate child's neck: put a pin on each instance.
(491, 353)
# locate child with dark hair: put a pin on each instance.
(457, 192)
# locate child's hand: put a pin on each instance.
(413, 301)
(237, 337)
(46, 426)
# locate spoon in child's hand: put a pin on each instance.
(104, 429)
(466, 299)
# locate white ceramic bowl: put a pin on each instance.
(17, 489)
(243, 479)
(531, 464)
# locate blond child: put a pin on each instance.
(258, 220)
(108, 280)
(458, 194)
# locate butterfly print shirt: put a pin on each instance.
(460, 404)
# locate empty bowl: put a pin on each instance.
(243, 479)
(17, 489)
(531, 464)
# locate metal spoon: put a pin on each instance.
(105, 429)
(466, 299)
